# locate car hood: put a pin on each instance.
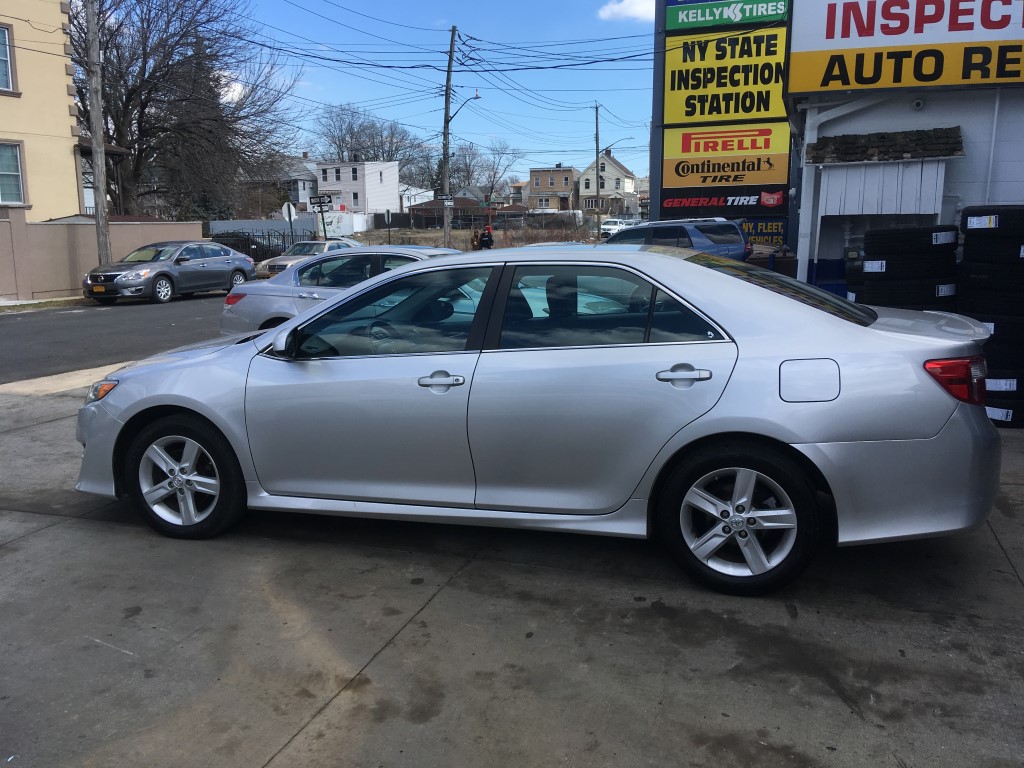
(934, 325)
(190, 351)
(120, 266)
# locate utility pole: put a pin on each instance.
(99, 154)
(445, 170)
(597, 165)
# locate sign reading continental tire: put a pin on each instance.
(694, 14)
(868, 44)
(727, 155)
(725, 77)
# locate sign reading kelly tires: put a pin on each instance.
(698, 14)
(843, 45)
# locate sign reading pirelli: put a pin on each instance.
(726, 155)
(868, 44)
(725, 77)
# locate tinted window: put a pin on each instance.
(192, 252)
(724, 233)
(337, 272)
(631, 236)
(211, 250)
(426, 312)
(390, 262)
(786, 286)
(549, 306)
(676, 236)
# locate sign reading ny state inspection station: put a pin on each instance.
(868, 44)
(726, 155)
(725, 77)
(696, 14)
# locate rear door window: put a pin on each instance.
(630, 236)
(724, 233)
(675, 236)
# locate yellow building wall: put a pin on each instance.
(40, 113)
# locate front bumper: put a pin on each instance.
(135, 288)
(97, 431)
(907, 489)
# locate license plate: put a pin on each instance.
(99, 289)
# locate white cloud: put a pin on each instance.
(639, 10)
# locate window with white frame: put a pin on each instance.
(586, 183)
(602, 183)
(618, 183)
(602, 168)
(355, 173)
(543, 202)
(6, 60)
(10, 175)
(323, 174)
(355, 199)
(551, 181)
(565, 181)
(536, 181)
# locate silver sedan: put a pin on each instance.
(308, 282)
(741, 418)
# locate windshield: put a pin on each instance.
(781, 284)
(151, 253)
(304, 249)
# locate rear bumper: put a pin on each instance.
(907, 489)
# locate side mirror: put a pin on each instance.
(182, 259)
(284, 344)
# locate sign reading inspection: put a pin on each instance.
(721, 78)
(866, 44)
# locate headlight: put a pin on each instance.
(135, 274)
(99, 390)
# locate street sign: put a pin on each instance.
(321, 208)
(288, 211)
(446, 198)
(319, 199)
(449, 203)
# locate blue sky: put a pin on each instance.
(389, 59)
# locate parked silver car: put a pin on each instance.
(268, 303)
(298, 251)
(740, 417)
(159, 271)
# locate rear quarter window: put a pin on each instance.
(721, 234)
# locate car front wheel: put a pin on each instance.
(740, 519)
(184, 479)
(163, 290)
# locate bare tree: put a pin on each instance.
(353, 135)
(467, 166)
(500, 157)
(199, 105)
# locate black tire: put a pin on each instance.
(779, 484)
(988, 221)
(918, 240)
(1004, 384)
(1003, 356)
(186, 509)
(893, 266)
(907, 292)
(237, 278)
(994, 250)
(1005, 413)
(163, 289)
(105, 300)
(983, 304)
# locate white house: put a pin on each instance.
(360, 187)
(618, 187)
(414, 195)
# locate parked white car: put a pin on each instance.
(610, 226)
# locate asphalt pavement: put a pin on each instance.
(312, 641)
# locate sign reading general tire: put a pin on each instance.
(844, 45)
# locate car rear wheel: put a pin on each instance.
(184, 478)
(237, 278)
(740, 519)
(163, 290)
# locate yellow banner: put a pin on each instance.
(727, 140)
(725, 171)
(718, 78)
(907, 67)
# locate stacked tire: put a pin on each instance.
(908, 268)
(991, 289)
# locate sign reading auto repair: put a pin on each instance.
(867, 44)
(726, 155)
(693, 14)
(723, 77)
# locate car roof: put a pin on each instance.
(676, 222)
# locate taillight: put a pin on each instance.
(233, 298)
(962, 377)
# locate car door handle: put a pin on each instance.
(683, 375)
(308, 296)
(441, 381)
